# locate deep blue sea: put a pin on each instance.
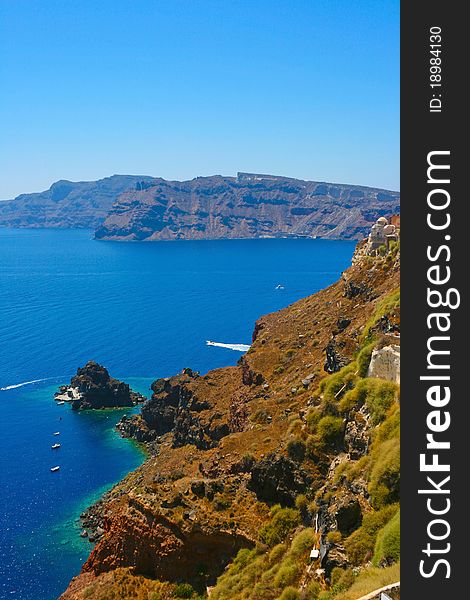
(144, 310)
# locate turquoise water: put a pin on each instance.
(142, 310)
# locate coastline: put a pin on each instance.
(200, 460)
(70, 338)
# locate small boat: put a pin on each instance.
(210, 343)
(56, 433)
(279, 287)
(54, 446)
(54, 469)
(61, 402)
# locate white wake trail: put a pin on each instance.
(18, 385)
(237, 347)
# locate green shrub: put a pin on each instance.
(363, 359)
(313, 416)
(302, 543)
(390, 428)
(313, 590)
(183, 590)
(295, 426)
(288, 573)
(384, 486)
(377, 394)
(296, 450)
(387, 546)
(313, 447)
(242, 559)
(341, 579)
(283, 522)
(330, 430)
(390, 305)
(369, 579)
(336, 575)
(360, 544)
(276, 553)
(260, 416)
(289, 593)
(334, 537)
(301, 503)
(331, 386)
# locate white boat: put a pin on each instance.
(279, 287)
(54, 469)
(210, 343)
(54, 446)
(61, 402)
(56, 433)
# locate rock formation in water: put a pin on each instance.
(67, 204)
(92, 387)
(280, 473)
(246, 206)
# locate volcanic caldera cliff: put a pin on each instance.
(68, 204)
(246, 206)
(253, 466)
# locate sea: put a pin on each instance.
(143, 310)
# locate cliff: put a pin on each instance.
(276, 478)
(67, 204)
(93, 388)
(129, 207)
(246, 206)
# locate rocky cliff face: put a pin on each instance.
(128, 207)
(266, 459)
(67, 203)
(247, 206)
(93, 388)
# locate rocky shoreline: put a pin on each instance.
(301, 434)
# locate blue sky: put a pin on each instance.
(180, 88)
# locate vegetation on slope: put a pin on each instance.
(275, 458)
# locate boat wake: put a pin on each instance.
(23, 383)
(236, 347)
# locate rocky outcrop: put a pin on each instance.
(334, 359)
(347, 513)
(68, 204)
(277, 479)
(155, 546)
(93, 388)
(246, 206)
(174, 407)
(357, 435)
(136, 428)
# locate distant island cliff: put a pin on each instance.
(67, 204)
(133, 208)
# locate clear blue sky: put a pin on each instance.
(180, 88)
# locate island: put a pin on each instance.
(93, 388)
